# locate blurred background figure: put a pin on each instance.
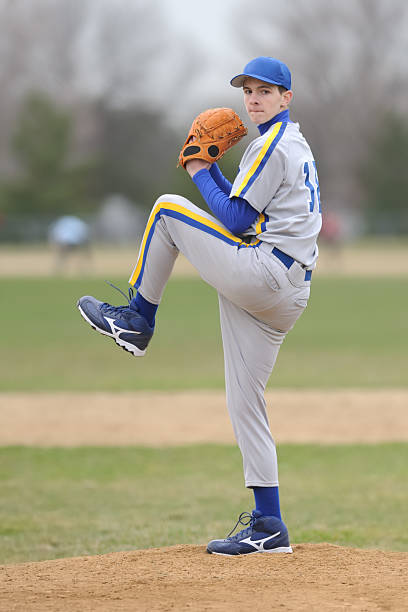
(69, 236)
(332, 234)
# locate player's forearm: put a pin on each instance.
(235, 213)
(222, 182)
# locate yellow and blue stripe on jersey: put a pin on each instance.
(260, 226)
(184, 214)
(261, 159)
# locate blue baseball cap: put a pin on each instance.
(266, 69)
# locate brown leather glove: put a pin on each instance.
(212, 133)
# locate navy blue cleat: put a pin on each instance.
(122, 323)
(264, 534)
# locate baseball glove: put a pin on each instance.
(212, 133)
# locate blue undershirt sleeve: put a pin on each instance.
(235, 213)
(220, 179)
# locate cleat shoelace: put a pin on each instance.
(115, 310)
(130, 291)
(244, 519)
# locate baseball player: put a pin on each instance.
(258, 251)
(68, 235)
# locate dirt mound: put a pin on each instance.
(315, 577)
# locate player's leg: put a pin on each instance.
(250, 351)
(132, 326)
(176, 225)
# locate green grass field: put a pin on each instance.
(68, 502)
(63, 502)
(352, 335)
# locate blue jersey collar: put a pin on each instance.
(282, 116)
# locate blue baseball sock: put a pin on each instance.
(145, 308)
(267, 501)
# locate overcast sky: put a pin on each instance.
(188, 29)
(217, 50)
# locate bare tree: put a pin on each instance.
(124, 48)
(348, 65)
(121, 54)
(38, 44)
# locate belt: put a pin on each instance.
(287, 261)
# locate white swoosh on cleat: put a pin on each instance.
(116, 330)
(260, 544)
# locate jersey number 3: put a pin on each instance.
(313, 188)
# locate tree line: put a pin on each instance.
(69, 135)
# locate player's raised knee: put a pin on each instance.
(172, 198)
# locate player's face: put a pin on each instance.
(263, 100)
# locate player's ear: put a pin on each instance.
(287, 97)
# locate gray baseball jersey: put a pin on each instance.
(278, 177)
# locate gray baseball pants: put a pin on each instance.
(260, 301)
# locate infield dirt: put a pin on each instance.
(159, 418)
(375, 259)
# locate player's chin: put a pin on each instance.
(257, 117)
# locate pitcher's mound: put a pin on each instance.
(315, 577)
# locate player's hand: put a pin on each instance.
(194, 165)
